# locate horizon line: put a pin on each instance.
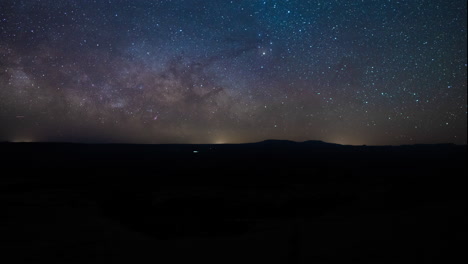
(244, 143)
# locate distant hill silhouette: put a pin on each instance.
(290, 142)
(276, 142)
(320, 143)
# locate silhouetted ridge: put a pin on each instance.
(319, 143)
(277, 142)
(290, 143)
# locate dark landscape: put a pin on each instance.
(268, 202)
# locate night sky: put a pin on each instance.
(190, 71)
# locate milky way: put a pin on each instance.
(215, 71)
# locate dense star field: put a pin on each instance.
(188, 71)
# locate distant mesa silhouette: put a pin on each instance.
(290, 143)
(276, 142)
(320, 143)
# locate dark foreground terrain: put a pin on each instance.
(269, 202)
